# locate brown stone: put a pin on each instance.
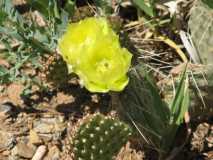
(53, 154)
(23, 150)
(34, 138)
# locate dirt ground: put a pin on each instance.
(43, 123)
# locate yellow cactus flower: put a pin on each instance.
(92, 50)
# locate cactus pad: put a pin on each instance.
(201, 27)
(100, 138)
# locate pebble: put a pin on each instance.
(44, 128)
(23, 150)
(40, 152)
(6, 153)
(5, 110)
(34, 138)
(46, 137)
(53, 154)
(49, 128)
(7, 140)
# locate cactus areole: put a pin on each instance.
(92, 50)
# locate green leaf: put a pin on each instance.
(34, 40)
(178, 108)
(180, 102)
(47, 8)
(4, 75)
(70, 7)
(104, 5)
(148, 9)
(3, 71)
(41, 5)
(11, 33)
(3, 16)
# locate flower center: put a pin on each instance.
(102, 66)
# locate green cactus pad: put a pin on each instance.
(100, 138)
(201, 27)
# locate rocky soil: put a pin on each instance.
(40, 126)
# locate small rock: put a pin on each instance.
(201, 138)
(210, 155)
(5, 110)
(23, 150)
(46, 137)
(95, 98)
(13, 157)
(51, 128)
(19, 2)
(40, 152)
(48, 116)
(34, 138)
(44, 128)
(53, 154)
(4, 62)
(6, 153)
(14, 91)
(127, 153)
(62, 98)
(7, 140)
(131, 156)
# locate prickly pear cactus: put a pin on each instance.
(99, 138)
(201, 27)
